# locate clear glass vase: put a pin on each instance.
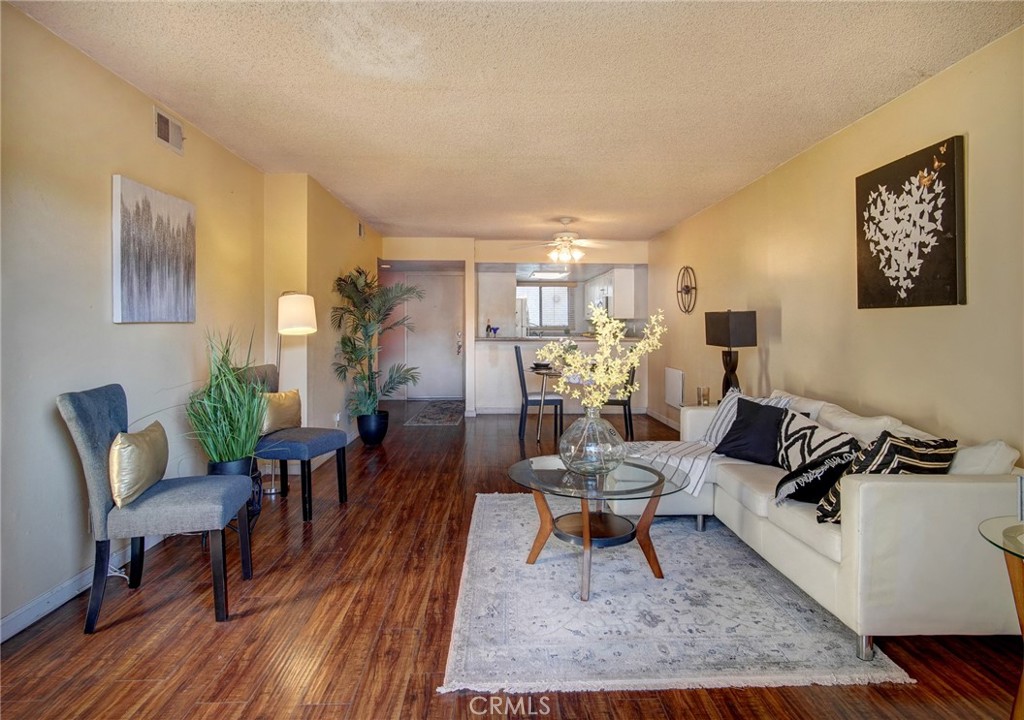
(591, 445)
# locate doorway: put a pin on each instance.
(438, 321)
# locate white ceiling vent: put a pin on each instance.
(168, 131)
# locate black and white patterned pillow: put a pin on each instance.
(802, 441)
(809, 483)
(890, 455)
(725, 415)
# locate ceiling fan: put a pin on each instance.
(566, 245)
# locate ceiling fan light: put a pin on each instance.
(577, 254)
(553, 255)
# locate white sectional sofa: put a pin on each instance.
(907, 558)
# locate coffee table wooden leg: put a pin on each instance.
(643, 535)
(585, 576)
(1015, 568)
(544, 531)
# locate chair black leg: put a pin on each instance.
(138, 559)
(244, 546)
(306, 467)
(629, 416)
(284, 479)
(339, 459)
(220, 583)
(522, 422)
(99, 585)
(561, 419)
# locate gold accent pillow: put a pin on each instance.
(284, 410)
(137, 462)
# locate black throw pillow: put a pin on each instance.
(754, 434)
(890, 455)
(811, 481)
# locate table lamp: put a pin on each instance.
(730, 330)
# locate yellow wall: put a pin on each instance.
(785, 247)
(334, 247)
(67, 127)
(285, 253)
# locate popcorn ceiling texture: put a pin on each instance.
(490, 120)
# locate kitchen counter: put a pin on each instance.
(497, 383)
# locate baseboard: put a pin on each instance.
(671, 422)
(15, 622)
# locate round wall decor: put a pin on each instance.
(686, 289)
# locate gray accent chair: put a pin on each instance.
(302, 444)
(172, 505)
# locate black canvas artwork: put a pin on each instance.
(910, 230)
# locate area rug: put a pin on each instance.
(722, 617)
(439, 412)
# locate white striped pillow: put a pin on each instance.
(725, 415)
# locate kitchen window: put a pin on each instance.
(550, 306)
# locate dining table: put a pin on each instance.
(545, 372)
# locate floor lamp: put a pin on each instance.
(296, 315)
(730, 330)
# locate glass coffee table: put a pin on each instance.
(595, 526)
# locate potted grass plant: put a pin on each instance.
(226, 415)
(365, 314)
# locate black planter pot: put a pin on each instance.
(243, 466)
(373, 428)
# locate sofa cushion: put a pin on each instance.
(725, 414)
(865, 429)
(751, 484)
(798, 519)
(754, 434)
(803, 405)
(891, 455)
(809, 483)
(991, 458)
(802, 441)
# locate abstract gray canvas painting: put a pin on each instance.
(154, 255)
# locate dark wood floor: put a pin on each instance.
(349, 617)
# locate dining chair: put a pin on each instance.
(627, 407)
(533, 399)
(96, 418)
(303, 444)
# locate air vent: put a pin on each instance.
(168, 131)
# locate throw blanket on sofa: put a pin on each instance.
(671, 457)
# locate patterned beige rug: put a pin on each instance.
(722, 617)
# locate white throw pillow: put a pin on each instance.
(905, 430)
(991, 458)
(804, 405)
(865, 429)
(725, 415)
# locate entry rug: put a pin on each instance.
(722, 617)
(439, 412)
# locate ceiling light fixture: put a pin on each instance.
(565, 252)
(548, 275)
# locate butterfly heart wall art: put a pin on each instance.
(910, 230)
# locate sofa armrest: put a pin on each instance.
(914, 562)
(694, 421)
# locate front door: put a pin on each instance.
(434, 347)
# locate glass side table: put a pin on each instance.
(1007, 534)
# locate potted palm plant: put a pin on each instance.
(227, 414)
(364, 315)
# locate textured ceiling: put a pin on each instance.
(491, 120)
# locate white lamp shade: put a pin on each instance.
(296, 314)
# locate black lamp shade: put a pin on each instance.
(731, 329)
